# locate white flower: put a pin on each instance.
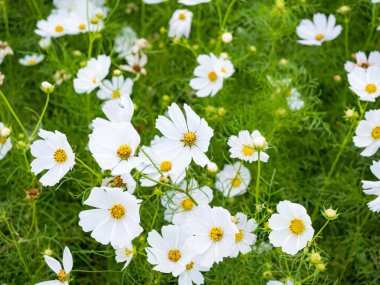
(168, 252)
(187, 139)
(227, 68)
(193, 2)
(244, 239)
(291, 227)
(53, 153)
(5, 50)
(124, 181)
(368, 133)
(91, 76)
(192, 274)
(125, 41)
(227, 37)
(319, 30)
(135, 63)
(114, 146)
(5, 141)
(247, 146)
(209, 76)
(63, 274)
(31, 60)
(365, 82)
(272, 282)
(375, 1)
(373, 187)
(213, 234)
(124, 254)
(180, 23)
(294, 100)
(56, 25)
(230, 182)
(212, 167)
(179, 206)
(115, 220)
(60, 76)
(115, 89)
(362, 61)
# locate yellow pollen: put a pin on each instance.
(118, 182)
(116, 94)
(124, 151)
(182, 16)
(189, 138)
(127, 252)
(81, 26)
(94, 80)
(32, 61)
(319, 37)
(59, 29)
(297, 227)
(216, 234)
(174, 255)
(60, 155)
(212, 76)
(224, 70)
(376, 133)
(235, 182)
(247, 150)
(166, 166)
(3, 140)
(62, 276)
(187, 204)
(190, 266)
(371, 88)
(239, 236)
(117, 211)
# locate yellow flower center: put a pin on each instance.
(187, 204)
(189, 138)
(2, 139)
(174, 255)
(212, 76)
(59, 29)
(94, 80)
(124, 151)
(127, 252)
(376, 133)
(137, 68)
(371, 88)
(190, 266)
(116, 94)
(166, 166)
(297, 227)
(117, 211)
(224, 70)
(182, 16)
(247, 150)
(62, 276)
(81, 26)
(319, 37)
(239, 236)
(216, 234)
(60, 155)
(235, 182)
(118, 182)
(32, 61)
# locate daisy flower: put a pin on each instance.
(124, 254)
(115, 89)
(91, 76)
(192, 274)
(247, 146)
(31, 60)
(227, 68)
(368, 133)
(56, 25)
(291, 227)
(362, 61)
(233, 180)
(365, 82)
(124, 181)
(114, 145)
(193, 2)
(187, 138)
(115, 220)
(244, 239)
(52, 153)
(168, 252)
(5, 49)
(320, 30)
(213, 234)
(135, 63)
(63, 274)
(5, 141)
(180, 24)
(373, 187)
(209, 76)
(179, 206)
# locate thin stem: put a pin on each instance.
(373, 26)
(258, 179)
(346, 22)
(41, 116)
(5, 16)
(223, 23)
(88, 168)
(90, 45)
(234, 179)
(34, 220)
(319, 232)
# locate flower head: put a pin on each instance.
(365, 82)
(233, 180)
(247, 146)
(373, 187)
(368, 133)
(180, 23)
(31, 60)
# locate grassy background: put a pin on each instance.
(303, 143)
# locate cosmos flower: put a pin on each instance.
(124, 181)
(373, 187)
(5, 49)
(135, 63)
(233, 180)
(368, 133)
(115, 89)
(31, 60)
(193, 2)
(5, 141)
(362, 61)
(180, 24)
(192, 274)
(245, 238)
(124, 254)
(365, 82)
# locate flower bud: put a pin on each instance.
(343, 9)
(94, 20)
(224, 55)
(259, 143)
(321, 267)
(315, 258)
(5, 132)
(221, 111)
(212, 167)
(48, 252)
(117, 72)
(337, 78)
(253, 49)
(44, 43)
(227, 38)
(47, 87)
(283, 61)
(32, 194)
(330, 214)
(77, 53)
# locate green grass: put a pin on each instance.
(303, 143)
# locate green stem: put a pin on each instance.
(41, 116)
(223, 23)
(258, 179)
(37, 9)
(5, 16)
(236, 176)
(88, 168)
(373, 26)
(346, 22)
(90, 45)
(319, 232)
(34, 220)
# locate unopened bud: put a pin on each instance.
(5, 132)
(212, 167)
(227, 38)
(47, 87)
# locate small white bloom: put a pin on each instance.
(193, 2)
(362, 61)
(125, 41)
(124, 254)
(227, 68)
(154, 1)
(272, 282)
(368, 133)
(31, 60)
(115, 89)
(135, 63)
(244, 239)
(231, 181)
(56, 25)
(5, 49)
(115, 220)
(63, 274)
(124, 181)
(44, 43)
(319, 30)
(247, 146)
(373, 187)
(212, 167)
(227, 37)
(91, 76)
(53, 153)
(5, 141)
(192, 274)
(47, 87)
(365, 83)
(291, 227)
(60, 76)
(180, 24)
